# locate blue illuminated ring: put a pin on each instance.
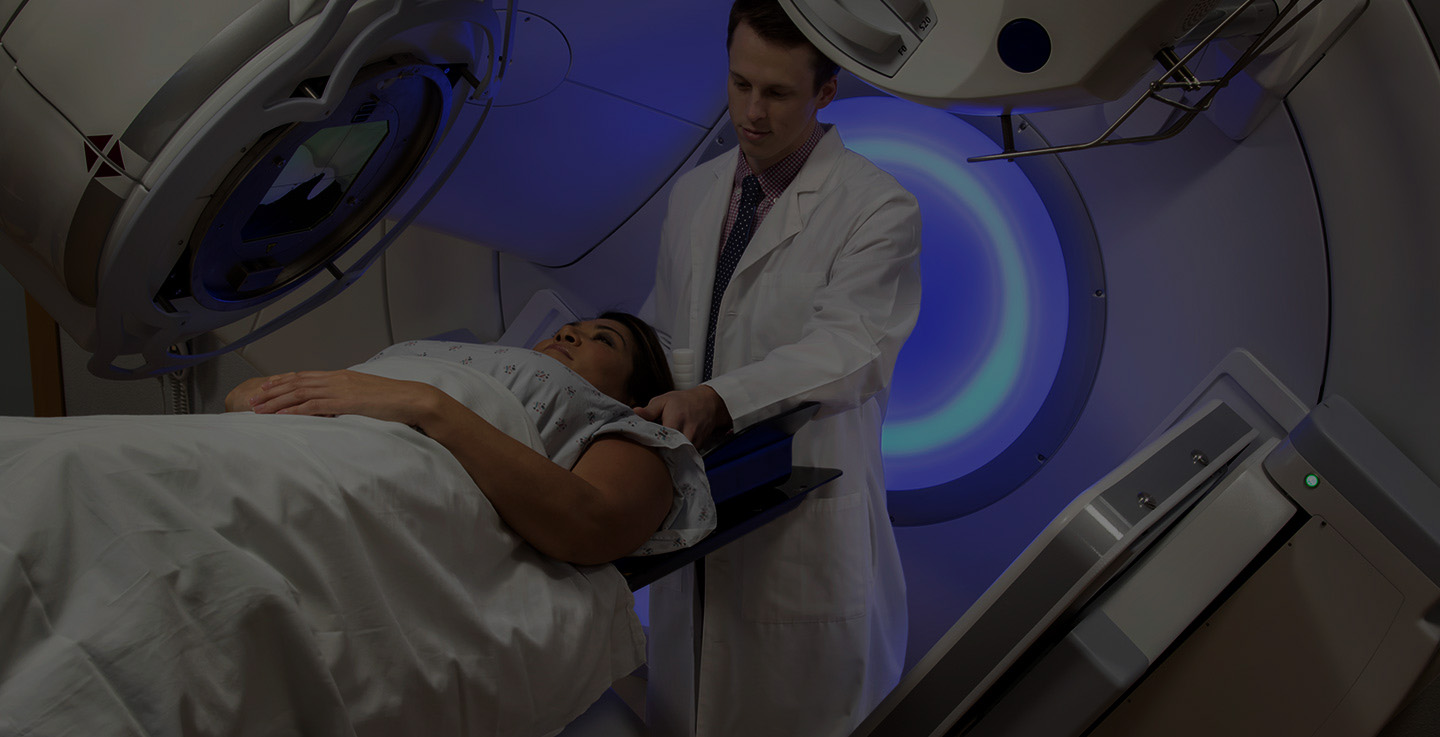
(1008, 342)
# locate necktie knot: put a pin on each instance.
(750, 193)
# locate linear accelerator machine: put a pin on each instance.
(1222, 517)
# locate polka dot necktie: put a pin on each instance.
(750, 196)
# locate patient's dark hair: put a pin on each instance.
(770, 22)
(651, 374)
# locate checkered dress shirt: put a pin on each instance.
(773, 182)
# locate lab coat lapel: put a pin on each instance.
(705, 243)
(792, 209)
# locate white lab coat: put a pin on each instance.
(805, 623)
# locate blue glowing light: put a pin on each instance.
(991, 333)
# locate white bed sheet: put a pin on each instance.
(267, 575)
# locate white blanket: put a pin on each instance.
(267, 575)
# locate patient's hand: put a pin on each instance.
(699, 413)
(331, 393)
(238, 400)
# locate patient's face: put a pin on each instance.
(599, 350)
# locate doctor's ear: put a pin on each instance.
(826, 95)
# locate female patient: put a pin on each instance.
(599, 504)
(318, 567)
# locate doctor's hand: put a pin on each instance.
(699, 413)
(331, 393)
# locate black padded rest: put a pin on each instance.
(752, 482)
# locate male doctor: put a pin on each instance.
(790, 266)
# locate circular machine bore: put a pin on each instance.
(307, 192)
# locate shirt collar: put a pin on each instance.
(775, 179)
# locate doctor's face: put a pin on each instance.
(601, 351)
(772, 96)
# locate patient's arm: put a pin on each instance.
(605, 508)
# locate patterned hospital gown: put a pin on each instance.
(569, 413)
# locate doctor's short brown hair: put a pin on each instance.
(770, 22)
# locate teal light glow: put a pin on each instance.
(967, 410)
(988, 344)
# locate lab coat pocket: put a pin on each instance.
(811, 565)
(783, 304)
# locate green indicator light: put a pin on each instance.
(1311, 480)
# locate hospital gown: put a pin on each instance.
(285, 575)
(569, 412)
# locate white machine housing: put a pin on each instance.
(997, 56)
(135, 159)
(1255, 569)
